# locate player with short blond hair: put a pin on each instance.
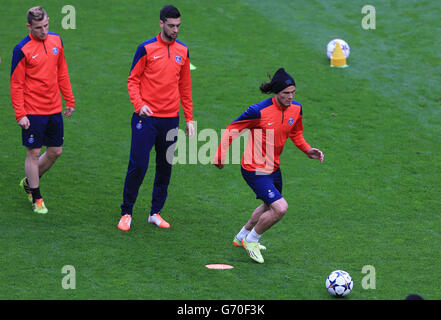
(38, 74)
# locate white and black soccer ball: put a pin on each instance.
(339, 283)
(331, 46)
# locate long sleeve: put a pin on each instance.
(185, 90)
(296, 136)
(134, 79)
(64, 80)
(17, 83)
(248, 120)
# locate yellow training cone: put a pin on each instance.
(338, 58)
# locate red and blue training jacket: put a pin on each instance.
(270, 125)
(160, 78)
(38, 74)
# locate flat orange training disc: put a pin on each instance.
(219, 266)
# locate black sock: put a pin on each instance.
(35, 194)
(26, 186)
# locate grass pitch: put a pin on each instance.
(375, 201)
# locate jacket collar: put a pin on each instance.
(278, 106)
(159, 38)
(36, 39)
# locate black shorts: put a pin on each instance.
(45, 130)
(267, 187)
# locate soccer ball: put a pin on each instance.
(331, 46)
(339, 283)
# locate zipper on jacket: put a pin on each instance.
(168, 48)
(283, 114)
(44, 46)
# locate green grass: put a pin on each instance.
(374, 201)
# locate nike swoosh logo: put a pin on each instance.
(33, 57)
(156, 57)
(270, 123)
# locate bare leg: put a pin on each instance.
(255, 216)
(266, 220)
(48, 158)
(36, 165)
(31, 167)
(270, 217)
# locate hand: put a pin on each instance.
(24, 123)
(145, 112)
(314, 153)
(68, 112)
(219, 165)
(217, 162)
(189, 129)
